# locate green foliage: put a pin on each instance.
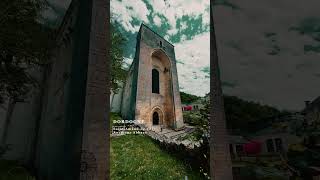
(199, 119)
(15, 82)
(195, 119)
(192, 117)
(242, 116)
(22, 36)
(302, 160)
(118, 74)
(246, 116)
(12, 170)
(23, 42)
(138, 157)
(188, 98)
(114, 116)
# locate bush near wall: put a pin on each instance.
(13, 170)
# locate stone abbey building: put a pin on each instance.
(151, 92)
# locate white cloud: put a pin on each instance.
(184, 25)
(183, 37)
(125, 11)
(176, 9)
(195, 55)
(127, 62)
(157, 20)
(172, 10)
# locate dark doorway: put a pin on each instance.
(155, 118)
(155, 81)
(270, 147)
(278, 142)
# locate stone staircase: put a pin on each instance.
(170, 136)
(166, 135)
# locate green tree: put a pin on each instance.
(188, 98)
(24, 42)
(246, 116)
(118, 73)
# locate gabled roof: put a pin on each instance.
(147, 27)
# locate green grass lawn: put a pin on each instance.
(138, 157)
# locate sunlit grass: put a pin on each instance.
(138, 157)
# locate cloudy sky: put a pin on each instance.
(184, 23)
(269, 50)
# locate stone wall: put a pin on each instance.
(126, 111)
(21, 129)
(36, 130)
(313, 114)
(95, 133)
(286, 139)
(53, 125)
(129, 94)
(53, 131)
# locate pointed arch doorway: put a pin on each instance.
(155, 118)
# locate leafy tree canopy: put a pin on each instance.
(118, 73)
(23, 41)
(188, 98)
(242, 116)
(247, 116)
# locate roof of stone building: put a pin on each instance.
(143, 25)
(234, 139)
(314, 103)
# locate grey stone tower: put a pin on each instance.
(152, 92)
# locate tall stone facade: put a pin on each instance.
(62, 131)
(151, 92)
(220, 159)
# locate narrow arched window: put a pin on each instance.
(155, 81)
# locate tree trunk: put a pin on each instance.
(39, 110)
(10, 109)
(220, 166)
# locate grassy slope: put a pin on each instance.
(138, 157)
